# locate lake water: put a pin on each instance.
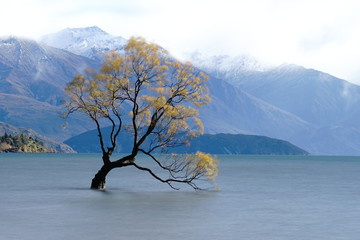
(47, 196)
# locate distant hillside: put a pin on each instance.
(88, 142)
(7, 129)
(240, 144)
(22, 143)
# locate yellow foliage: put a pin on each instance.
(144, 118)
(160, 90)
(4, 146)
(176, 126)
(200, 125)
(162, 93)
(204, 164)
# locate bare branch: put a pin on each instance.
(100, 137)
(169, 180)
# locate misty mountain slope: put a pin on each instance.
(42, 117)
(234, 111)
(37, 71)
(329, 104)
(91, 42)
(314, 96)
(333, 140)
(32, 78)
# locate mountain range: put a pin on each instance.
(312, 109)
(328, 104)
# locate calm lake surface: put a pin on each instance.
(47, 196)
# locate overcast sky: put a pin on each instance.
(320, 34)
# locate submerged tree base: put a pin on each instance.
(97, 184)
(99, 180)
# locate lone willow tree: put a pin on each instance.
(153, 97)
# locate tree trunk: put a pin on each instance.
(98, 182)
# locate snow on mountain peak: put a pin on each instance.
(87, 31)
(90, 42)
(225, 63)
(227, 67)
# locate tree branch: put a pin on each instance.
(168, 181)
(98, 127)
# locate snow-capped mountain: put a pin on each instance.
(91, 42)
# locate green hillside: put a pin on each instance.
(22, 143)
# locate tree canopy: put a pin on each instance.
(154, 97)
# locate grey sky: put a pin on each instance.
(320, 34)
